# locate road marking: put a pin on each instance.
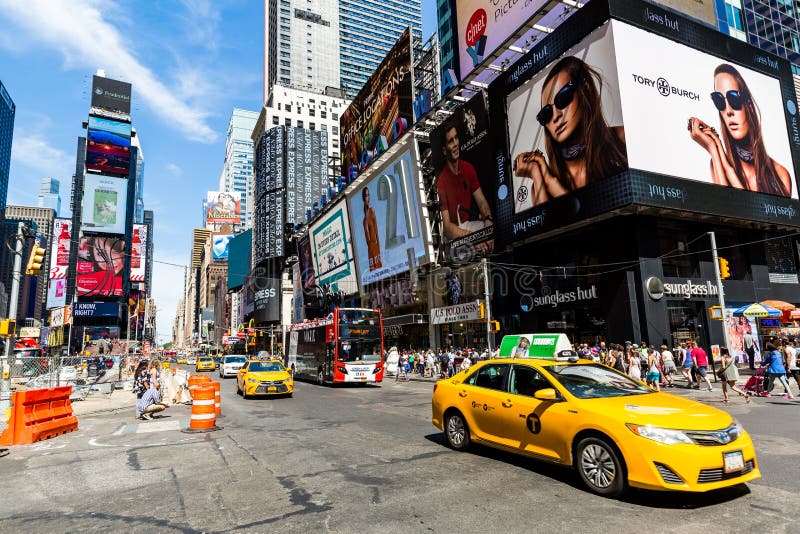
(94, 443)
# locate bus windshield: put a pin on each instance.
(358, 317)
(360, 350)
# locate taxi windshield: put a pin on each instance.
(265, 367)
(595, 381)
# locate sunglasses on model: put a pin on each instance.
(734, 98)
(562, 99)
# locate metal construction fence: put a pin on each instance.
(52, 371)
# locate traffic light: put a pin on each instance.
(8, 327)
(35, 261)
(495, 326)
(724, 268)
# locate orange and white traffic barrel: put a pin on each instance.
(203, 418)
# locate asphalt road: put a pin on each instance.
(356, 460)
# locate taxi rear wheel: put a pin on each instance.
(599, 466)
(457, 431)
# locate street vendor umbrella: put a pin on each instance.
(757, 310)
(779, 304)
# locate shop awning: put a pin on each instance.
(779, 304)
(411, 318)
(757, 310)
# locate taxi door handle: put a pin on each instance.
(507, 404)
(462, 393)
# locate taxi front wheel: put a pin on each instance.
(600, 468)
(457, 431)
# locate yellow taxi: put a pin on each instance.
(269, 377)
(613, 430)
(181, 359)
(205, 363)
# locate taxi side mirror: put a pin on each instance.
(547, 394)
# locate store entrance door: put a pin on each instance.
(687, 322)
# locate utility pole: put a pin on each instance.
(488, 305)
(720, 291)
(5, 383)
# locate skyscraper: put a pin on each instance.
(368, 30)
(7, 112)
(237, 171)
(447, 34)
(49, 195)
(301, 44)
(138, 204)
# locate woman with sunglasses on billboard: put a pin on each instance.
(740, 158)
(581, 147)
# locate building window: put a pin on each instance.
(288, 122)
(288, 108)
(790, 40)
(299, 124)
(323, 114)
(336, 116)
(275, 120)
(335, 129)
(311, 112)
(786, 7)
(735, 18)
(312, 126)
(323, 127)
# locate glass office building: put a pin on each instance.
(7, 112)
(237, 171)
(49, 195)
(367, 31)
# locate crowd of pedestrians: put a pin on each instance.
(659, 367)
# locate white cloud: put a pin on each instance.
(33, 152)
(81, 33)
(174, 169)
(201, 22)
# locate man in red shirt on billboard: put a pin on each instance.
(458, 186)
(701, 363)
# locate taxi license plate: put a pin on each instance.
(734, 461)
(272, 388)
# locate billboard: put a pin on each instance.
(109, 132)
(381, 112)
(267, 299)
(306, 171)
(60, 246)
(332, 251)
(223, 207)
(386, 220)
(463, 164)
(699, 9)
(484, 25)
(101, 260)
(107, 158)
(219, 246)
(598, 125)
(105, 202)
(95, 309)
(111, 95)
(139, 252)
(308, 275)
(239, 253)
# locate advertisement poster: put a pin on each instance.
(105, 201)
(60, 246)
(219, 246)
(101, 260)
(696, 116)
(381, 112)
(109, 132)
(483, 25)
(308, 274)
(138, 253)
(464, 170)
(565, 124)
(108, 145)
(223, 207)
(297, 294)
(386, 220)
(738, 327)
(331, 249)
(111, 95)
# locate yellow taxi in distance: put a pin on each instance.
(205, 363)
(181, 359)
(269, 377)
(613, 430)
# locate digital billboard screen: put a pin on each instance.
(306, 171)
(223, 207)
(386, 220)
(139, 252)
(109, 132)
(60, 246)
(219, 246)
(308, 274)
(381, 112)
(111, 95)
(463, 164)
(332, 250)
(593, 124)
(106, 158)
(104, 204)
(239, 254)
(101, 261)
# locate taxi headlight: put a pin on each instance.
(253, 380)
(667, 436)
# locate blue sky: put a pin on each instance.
(190, 62)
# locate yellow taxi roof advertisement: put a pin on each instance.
(533, 345)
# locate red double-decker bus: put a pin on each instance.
(346, 346)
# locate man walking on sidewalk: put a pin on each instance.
(750, 348)
(701, 364)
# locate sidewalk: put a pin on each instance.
(101, 401)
